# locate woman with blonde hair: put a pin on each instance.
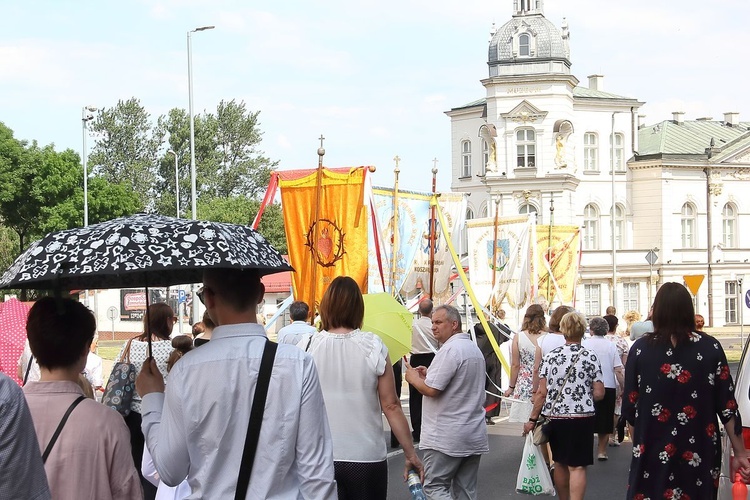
(358, 387)
(570, 380)
(523, 347)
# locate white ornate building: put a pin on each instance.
(539, 140)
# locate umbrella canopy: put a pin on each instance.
(140, 250)
(13, 314)
(390, 321)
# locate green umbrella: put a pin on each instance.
(389, 320)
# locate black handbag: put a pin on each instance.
(540, 433)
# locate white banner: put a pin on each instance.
(512, 263)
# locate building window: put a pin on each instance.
(590, 227)
(469, 213)
(619, 153)
(729, 226)
(730, 302)
(630, 297)
(526, 148)
(485, 157)
(528, 208)
(484, 210)
(619, 226)
(524, 45)
(465, 159)
(590, 152)
(592, 300)
(687, 221)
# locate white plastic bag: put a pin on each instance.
(533, 476)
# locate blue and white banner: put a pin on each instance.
(403, 233)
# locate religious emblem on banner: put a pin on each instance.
(329, 246)
(502, 253)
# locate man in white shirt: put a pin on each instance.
(424, 345)
(454, 435)
(197, 428)
(298, 329)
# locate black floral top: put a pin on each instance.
(673, 396)
(577, 399)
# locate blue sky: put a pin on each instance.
(374, 77)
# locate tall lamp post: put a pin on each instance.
(176, 180)
(192, 149)
(87, 114)
(614, 210)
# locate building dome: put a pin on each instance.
(527, 40)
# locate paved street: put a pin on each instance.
(498, 469)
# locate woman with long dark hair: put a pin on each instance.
(677, 382)
(159, 322)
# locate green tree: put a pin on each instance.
(242, 210)
(127, 148)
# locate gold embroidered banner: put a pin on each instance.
(334, 246)
(556, 261)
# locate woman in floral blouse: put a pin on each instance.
(570, 380)
(676, 383)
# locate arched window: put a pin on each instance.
(485, 157)
(528, 208)
(469, 213)
(590, 152)
(484, 210)
(729, 226)
(590, 227)
(619, 227)
(687, 225)
(524, 45)
(526, 148)
(465, 159)
(619, 152)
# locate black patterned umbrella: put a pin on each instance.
(140, 250)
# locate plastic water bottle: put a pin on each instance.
(739, 489)
(415, 486)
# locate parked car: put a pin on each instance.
(742, 394)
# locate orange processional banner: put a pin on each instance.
(335, 245)
(556, 261)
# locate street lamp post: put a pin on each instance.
(193, 199)
(86, 116)
(612, 214)
(176, 180)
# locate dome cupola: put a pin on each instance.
(529, 43)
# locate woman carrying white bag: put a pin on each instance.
(533, 476)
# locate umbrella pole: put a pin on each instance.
(148, 325)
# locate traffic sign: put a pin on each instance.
(747, 298)
(112, 313)
(181, 296)
(651, 257)
(693, 282)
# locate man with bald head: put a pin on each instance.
(197, 428)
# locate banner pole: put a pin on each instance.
(394, 235)
(314, 249)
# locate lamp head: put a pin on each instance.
(204, 28)
(171, 151)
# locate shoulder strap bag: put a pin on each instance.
(256, 419)
(28, 370)
(540, 434)
(60, 426)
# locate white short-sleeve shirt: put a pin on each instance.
(577, 399)
(349, 366)
(609, 359)
(453, 421)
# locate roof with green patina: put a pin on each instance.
(692, 138)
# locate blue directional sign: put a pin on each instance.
(181, 296)
(747, 298)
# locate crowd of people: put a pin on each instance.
(194, 430)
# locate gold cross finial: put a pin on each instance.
(434, 165)
(397, 160)
(321, 151)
